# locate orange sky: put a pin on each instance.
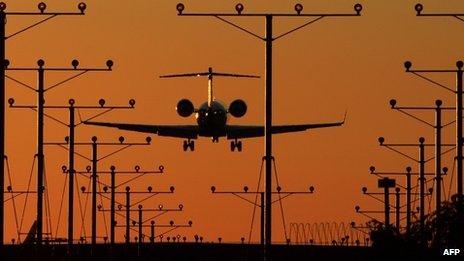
(337, 64)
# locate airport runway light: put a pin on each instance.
(39, 108)
(121, 144)
(113, 187)
(457, 91)
(408, 174)
(419, 8)
(142, 222)
(422, 160)
(438, 126)
(71, 125)
(4, 14)
(246, 191)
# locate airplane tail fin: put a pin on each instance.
(344, 117)
(30, 238)
(210, 74)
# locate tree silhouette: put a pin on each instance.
(446, 231)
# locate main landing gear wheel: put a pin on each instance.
(236, 145)
(190, 144)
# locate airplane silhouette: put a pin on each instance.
(212, 119)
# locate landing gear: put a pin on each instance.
(215, 139)
(237, 144)
(189, 144)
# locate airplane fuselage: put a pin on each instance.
(212, 119)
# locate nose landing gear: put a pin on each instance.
(237, 144)
(189, 144)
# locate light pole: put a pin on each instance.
(3, 64)
(459, 106)
(268, 39)
(374, 196)
(41, 89)
(95, 159)
(408, 174)
(113, 211)
(386, 184)
(438, 126)
(422, 160)
(282, 195)
(113, 185)
(70, 141)
(128, 204)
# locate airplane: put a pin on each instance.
(212, 117)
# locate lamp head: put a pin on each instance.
(132, 103)
(40, 63)
(180, 8)
(82, 6)
(445, 170)
(407, 65)
(239, 8)
(42, 6)
(418, 8)
(358, 8)
(459, 64)
(75, 63)
(298, 8)
(381, 140)
(109, 64)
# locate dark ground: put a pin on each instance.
(206, 251)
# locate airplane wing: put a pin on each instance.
(240, 131)
(178, 131)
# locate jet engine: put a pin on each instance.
(237, 108)
(185, 108)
